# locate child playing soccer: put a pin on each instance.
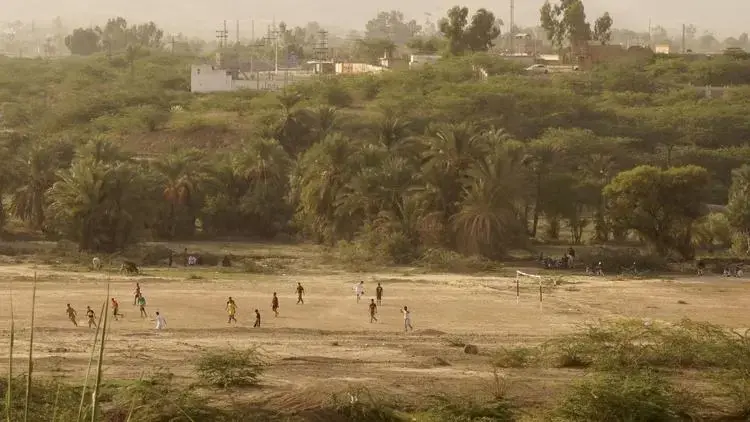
(91, 315)
(275, 304)
(231, 310)
(72, 315)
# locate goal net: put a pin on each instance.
(526, 278)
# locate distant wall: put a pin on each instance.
(206, 78)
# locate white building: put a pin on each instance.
(209, 78)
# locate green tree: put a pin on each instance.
(323, 172)
(83, 42)
(464, 36)
(482, 31)
(181, 175)
(603, 29)
(488, 221)
(661, 205)
(36, 170)
(392, 26)
(738, 207)
(101, 206)
(453, 28)
(565, 22)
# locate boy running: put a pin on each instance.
(231, 310)
(373, 311)
(359, 290)
(300, 292)
(257, 319)
(72, 314)
(407, 319)
(275, 304)
(115, 309)
(379, 294)
(91, 315)
(142, 306)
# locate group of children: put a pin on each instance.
(231, 308)
(138, 300)
(359, 291)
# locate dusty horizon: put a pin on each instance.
(203, 19)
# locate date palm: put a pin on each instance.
(450, 151)
(489, 218)
(180, 173)
(322, 173)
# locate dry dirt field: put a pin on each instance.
(328, 344)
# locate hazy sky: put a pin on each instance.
(723, 17)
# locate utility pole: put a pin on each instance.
(237, 33)
(172, 41)
(512, 34)
(683, 38)
(650, 41)
(222, 36)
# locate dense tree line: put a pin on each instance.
(437, 157)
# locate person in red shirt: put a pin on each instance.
(116, 309)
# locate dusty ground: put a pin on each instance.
(328, 343)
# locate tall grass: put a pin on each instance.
(98, 382)
(31, 353)
(91, 360)
(9, 398)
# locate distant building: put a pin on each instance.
(206, 78)
(662, 49)
(357, 68)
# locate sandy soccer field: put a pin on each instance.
(328, 343)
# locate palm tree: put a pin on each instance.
(290, 128)
(101, 206)
(489, 219)
(37, 168)
(542, 154)
(181, 173)
(325, 120)
(322, 173)
(449, 153)
(393, 132)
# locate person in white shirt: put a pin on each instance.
(359, 290)
(161, 323)
(407, 319)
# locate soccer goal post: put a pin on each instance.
(538, 278)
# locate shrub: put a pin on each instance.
(453, 410)
(158, 399)
(231, 367)
(362, 406)
(622, 397)
(614, 260)
(632, 345)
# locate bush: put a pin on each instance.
(362, 406)
(614, 260)
(231, 367)
(622, 397)
(454, 410)
(158, 399)
(632, 345)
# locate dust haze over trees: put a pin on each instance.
(396, 165)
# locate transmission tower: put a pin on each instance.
(321, 50)
(222, 35)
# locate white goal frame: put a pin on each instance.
(518, 285)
